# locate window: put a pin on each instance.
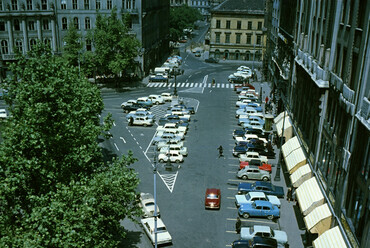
(17, 27)
(29, 4)
(2, 26)
(128, 4)
(250, 25)
(218, 37)
(64, 23)
(239, 25)
(109, 4)
(76, 23)
(32, 43)
(4, 47)
(19, 45)
(31, 25)
(74, 4)
(63, 4)
(87, 23)
(227, 38)
(228, 24)
(1, 5)
(97, 4)
(133, 4)
(86, 4)
(238, 38)
(14, 5)
(47, 42)
(44, 4)
(259, 26)
(45, 24)
(249, 38)
(258, 39)
(88, 45)
(218, 23)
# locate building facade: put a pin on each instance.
(202, 6)
(237, 30)
(24, 22)
(326, 92)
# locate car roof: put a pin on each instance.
(150, 221)
(257, 194)
(260, 228)
(263, 203)
(212, 191)
(260, 183)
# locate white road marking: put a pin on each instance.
(124, 141)
(187, 85)
(114, 124)
(191, 85)
(116, 146)
(209, 85)
(169, 180)
(196, 85)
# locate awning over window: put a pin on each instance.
(319, 220)
(309, 196)
(280, 117)
(289, 146)
(332, 238)
(288, 128)
(301, 175)
(295, 160)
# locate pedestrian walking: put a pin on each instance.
(266, 99)
(289, 194)
(238, 225)
(220, 151)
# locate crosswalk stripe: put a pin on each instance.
(222, 85)
(196, 85)
(227, 86)
(150, 84)
(218, 85)
(187, 85)
(191, 85)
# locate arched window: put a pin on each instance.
(76, 22)
(32, 43)
(19, 45)
(237, 54)
(248, 55)
(217, 53)
(64, 23)
(226, 54)
(87, 23)
(4, 47)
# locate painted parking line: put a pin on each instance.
(231, 172)
(232, 188)
(230, 198)
(232, 208)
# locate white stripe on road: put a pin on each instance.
(191, 85)
(182, 85)
(116, 146)
(187, 85)
(196, 85)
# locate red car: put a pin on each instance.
(213, 199)
(245, 85)
(261, 166)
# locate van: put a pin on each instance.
(162, 70)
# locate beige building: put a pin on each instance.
(237, 30)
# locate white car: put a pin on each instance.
(175, 132)
(172, 126)
(175, 147)
(174, 156)
(3, 114)
(180, 114)
(248, 137)
(164, 143)
(248, 233)
(141, 121)
(147, 204)
(242, 68)
(156, 99)
(242, 102)
(167, 97)
(250, 197)
(243, 74)
(248, 156)
(163, 236)
(128, 103)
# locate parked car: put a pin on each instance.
(167, 97)
(256, 196)
(263, 242)
(211, 60)
(133, 107)
(174, 157)
(258, 163)
(238, 133)
(164, 143)
(254, 173)
(156, 99)
(163, 236)
(266, 187)
(212, 199)
(140, 121)
(172, 126)
(248, 233)
(165, 136)
(248, 137)
(146, 202)
(191, 110)
(185, 117)
(254, 125)
(239, 88)
(174, 147)
(144, 101)
(259, 209)
(128, 103)
(3, 114)
(159, 77)
(240, 243)
(197, 54)
(140, 113)
(179, 134)
(248, 156)
(173, 119)
(248, 147)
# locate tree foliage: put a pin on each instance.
(180, 18)
(55, 189)
(115, 48)
(73, 46)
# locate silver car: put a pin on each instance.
(253, 172)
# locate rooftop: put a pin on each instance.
(241, 6)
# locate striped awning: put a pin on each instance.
(319, 220)
(289, 146)
(309, 196)
(332, 238)
(288, 128)
(295, 160)
(301, 175)
(280, 117)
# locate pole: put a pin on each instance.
(175, 88)
(254, 54)
(155, 198)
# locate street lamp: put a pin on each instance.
(155, 197)
(175, 88)
(277, 175)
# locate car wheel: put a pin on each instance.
(177, 161)
(265, 178)
(161, 161)
(244, 177)
(246, 215)
(145, 125)
(126, 111)
(157, 103)
(270, 217)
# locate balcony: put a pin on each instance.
(363, 115)
(8, 57)
(130, 11)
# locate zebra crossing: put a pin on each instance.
(192, 85)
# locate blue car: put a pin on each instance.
(238, 133)
(265, 187)
(252, 105)
(259, 209)
(248, 147)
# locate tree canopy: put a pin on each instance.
(55, 188)
(73, 46)
(180, 18)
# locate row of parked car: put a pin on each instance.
(169, 69)
(260, 198)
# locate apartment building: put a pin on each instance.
(24, 22)
(237, 30)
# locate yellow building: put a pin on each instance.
(237, 30)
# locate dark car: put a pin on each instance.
(265, 187)
(269, 153)
(158, 78)
(263, 242)
(190, 109)
(133, 107)
(238, 80)
(172, 119)
(211, 60)
(241, 243)
(238, 133)
(248, 147)
(258, 132)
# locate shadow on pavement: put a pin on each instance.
(132, 239)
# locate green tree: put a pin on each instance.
(73, 46)
(180, 18)
(115, 48)
(55, 189)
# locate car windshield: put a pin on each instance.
(161, 229)
(248, 197)
(272, 187)
(212, 196)
(149, 204)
